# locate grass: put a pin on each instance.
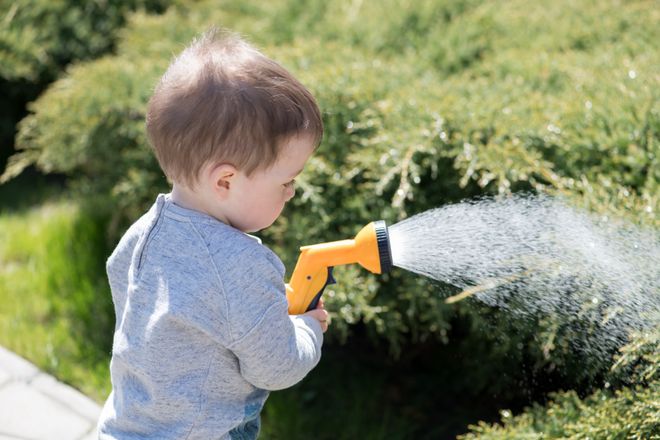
(53, 297)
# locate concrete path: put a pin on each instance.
(35, 406)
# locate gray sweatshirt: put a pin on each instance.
(202, 330)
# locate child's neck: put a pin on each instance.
(191, 199)
(186, 198)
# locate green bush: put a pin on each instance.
(425, 103)
(402, 126)
(632, 412)
(39, 37)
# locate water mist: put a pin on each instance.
(536, 254)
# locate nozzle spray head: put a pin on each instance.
(372, 247)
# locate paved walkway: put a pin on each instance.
(35, 406)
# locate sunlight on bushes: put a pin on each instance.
(425, 103)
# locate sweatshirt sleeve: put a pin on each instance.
(274, 350)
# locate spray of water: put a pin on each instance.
(537, 255)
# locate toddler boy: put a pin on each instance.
(202, 328)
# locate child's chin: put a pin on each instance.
(253, 229)
(256, 226)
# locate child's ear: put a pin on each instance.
(221, 177)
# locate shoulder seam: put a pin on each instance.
(217, 277)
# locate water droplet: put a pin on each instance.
(632, 74)
(349, 125)
(594, 300)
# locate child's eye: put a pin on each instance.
(290, 183)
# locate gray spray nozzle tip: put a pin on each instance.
(384, 250)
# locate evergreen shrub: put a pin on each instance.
(630, 412)
(425, 103)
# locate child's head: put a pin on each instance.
(224, 116)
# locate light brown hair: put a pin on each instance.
(221, 100)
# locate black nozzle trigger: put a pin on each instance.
(329, 280)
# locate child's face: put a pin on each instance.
(258, 200)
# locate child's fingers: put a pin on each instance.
(319, 314)
(324, 323)
(322, 316)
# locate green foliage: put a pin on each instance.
(639, 361)
(55, 305)
(343, 388)
(628, 413)
(425, 102)
(38, 37)
(632, 412)
(111, 157)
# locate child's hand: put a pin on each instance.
(321, 315)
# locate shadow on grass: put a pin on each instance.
(77, 280)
